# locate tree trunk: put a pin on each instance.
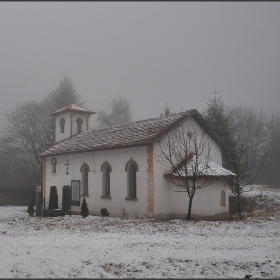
(238, 204)
(190, 209)
(238, 196)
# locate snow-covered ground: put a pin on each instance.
(96, 247)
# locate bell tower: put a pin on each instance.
(71, 120)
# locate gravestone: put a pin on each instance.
(53, 202)
(66, 199)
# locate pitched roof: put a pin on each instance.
(132, 134)
(72, 108)
(202, 168)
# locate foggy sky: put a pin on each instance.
(151, 52)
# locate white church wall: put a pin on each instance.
(58, 135)
(206, 201)
(162, 202)
(67, 127)
(117, 159)
(166, 202)
(213, 150)
(169, 203)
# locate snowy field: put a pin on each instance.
(96, 247)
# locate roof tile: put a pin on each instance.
(126, 135)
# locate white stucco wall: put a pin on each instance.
(207, 201)
(117, 159)
(67, 128)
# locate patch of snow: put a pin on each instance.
(203, 167)
(109, 247)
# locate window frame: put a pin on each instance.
(223, 198)
(131, 179)
(75, 192)
(62, 125)
(85, 182)
(79, 122)
(106, 177)
(53, 163)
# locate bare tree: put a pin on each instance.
(251, 136)
(30, 131)
(25, 134)
(269, 173)
(120, 113)
(184, 155)
(25, 137)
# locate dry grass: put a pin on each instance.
(260, 204)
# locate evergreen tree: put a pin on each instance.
(220, 120)
(64, 95)
(84, 208)
(216, 116)
(166, 111)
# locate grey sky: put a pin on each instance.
(151, 52)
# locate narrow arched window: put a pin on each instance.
(53, 162)
(132, 181)
(131, 168)
(85, 170)
(106, 169)
(79, 122)
(62, 125)
(223, 198)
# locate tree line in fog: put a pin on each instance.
(251, 137)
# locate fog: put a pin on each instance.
(150, 52)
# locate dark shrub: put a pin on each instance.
(104, 212)
(30, 208)
(84, 208)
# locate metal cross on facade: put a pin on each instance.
(67, 164)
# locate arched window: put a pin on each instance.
(106, 169)
(223, 198)
(85, 170)
(131, 168)
(62, 125)
(79, 122)
(53, 162)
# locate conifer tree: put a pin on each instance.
(220, 120)
(166, 111)
(216, 116)
(84, 208)
(62, 96)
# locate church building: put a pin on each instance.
(116, 167)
